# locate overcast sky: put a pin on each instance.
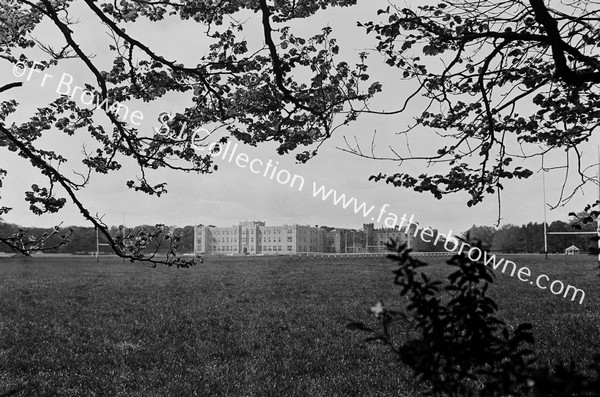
(234, 193)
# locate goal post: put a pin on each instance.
(98, 244)
(546, 233)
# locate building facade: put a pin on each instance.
(368, 239)
(255, 238)
(345, 241)
(377, 239)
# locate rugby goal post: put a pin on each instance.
(98, 244)
(597, 232)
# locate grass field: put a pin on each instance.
(241, 326)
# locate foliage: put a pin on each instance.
(460, 347)
(143, 242)
(483, 234)
(529, 238)
(248, 91)
(27, 241)
(507, 239)
(585, 217)
(498, 76)
(429, 246)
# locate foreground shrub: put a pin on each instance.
(458, 347)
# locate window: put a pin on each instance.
(289, 247)
(289, 239)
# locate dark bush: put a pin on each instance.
(458, 347)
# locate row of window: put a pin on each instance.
(388, 235)
(301, 248)
(264, 231)
(267, 248)
(264, 248)
(235, 231)
(226, 248)
(268, 239)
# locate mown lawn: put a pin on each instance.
(240, 326)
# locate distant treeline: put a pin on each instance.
(83, 239)
(529, 238)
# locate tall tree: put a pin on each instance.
(506, 239)
(533, 237)
(483, 234)
(559, 242)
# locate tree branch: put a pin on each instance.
(563, 71)
(9, 86)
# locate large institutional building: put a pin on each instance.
(256, 238)
(253, 238)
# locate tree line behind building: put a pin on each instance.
(510, 238)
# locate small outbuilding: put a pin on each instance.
(572, 250)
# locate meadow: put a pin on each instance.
(263, 326)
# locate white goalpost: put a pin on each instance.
(98, 244)
(546, 233)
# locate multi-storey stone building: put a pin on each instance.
(257, 238)
(376, 239)
(345, 241)
(369, 239)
